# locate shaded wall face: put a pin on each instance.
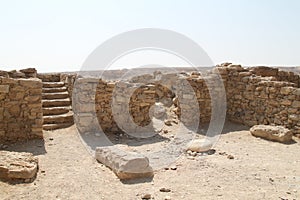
(21, 116)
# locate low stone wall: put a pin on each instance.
(265, 99)
(203, 88)
(21, 116)
(260, 95)
(96, 101)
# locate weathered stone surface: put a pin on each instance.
(199, 145)
(4, 88)
(159, 110)
(21, 107)
(126, 165)
(265, 71)
(18, 166)
(274, 133)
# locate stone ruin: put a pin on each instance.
(32, 102)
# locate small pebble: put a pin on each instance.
(193, 154)
(230, 157)
(50, 138)
(146, 196)
(164, 190)
(173, 168)
(167, 198)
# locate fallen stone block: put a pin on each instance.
(274, 133)
(126, 165)
(18, 166)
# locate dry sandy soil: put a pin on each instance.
(259, 169)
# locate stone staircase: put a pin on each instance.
(57, 110)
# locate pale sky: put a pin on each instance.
(59, 35)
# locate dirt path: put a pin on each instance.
(260, 170)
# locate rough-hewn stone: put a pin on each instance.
(19, 166)
(125, 165)
(275, 133)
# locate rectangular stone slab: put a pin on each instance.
(126, 165)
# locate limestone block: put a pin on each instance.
(17, 165)
(199, 145)
(274, 133)
(126, 165)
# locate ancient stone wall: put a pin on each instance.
(96, 101)
(21, 115)
(260, 96)
(207, 92)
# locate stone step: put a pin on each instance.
(56, 102)
(49, 127)
(57, 95)
(56, 110)
(54, 90)
(53, 84)
(58, 119)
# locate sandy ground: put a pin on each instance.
(260, 170)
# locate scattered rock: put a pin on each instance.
(173, 168)
(20, 166)
(168, 122)
(230, 157)
(167, 198)
(125, 165)
(199, 145)
(274, 133)
(211, 151)
(146, 196)
(165, 190)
